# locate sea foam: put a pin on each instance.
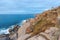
(6, 31)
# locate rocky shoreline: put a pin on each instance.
(45, 26)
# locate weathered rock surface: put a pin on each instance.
(45, 26)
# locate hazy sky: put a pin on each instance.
(26, 6)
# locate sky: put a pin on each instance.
(26, 6)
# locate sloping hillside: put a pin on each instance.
(34, 26)
(45, 26)
(45, 20)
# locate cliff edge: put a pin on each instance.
(45, 26)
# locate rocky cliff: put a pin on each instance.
(45, 26)
(42, 22)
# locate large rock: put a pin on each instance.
(43, 26)
(40, 23)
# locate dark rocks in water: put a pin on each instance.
(13, 34)
(14, 30)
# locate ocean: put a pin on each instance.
(8, 20)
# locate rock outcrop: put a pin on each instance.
(41, 23)
(45, 26)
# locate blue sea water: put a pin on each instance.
(7, 20)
